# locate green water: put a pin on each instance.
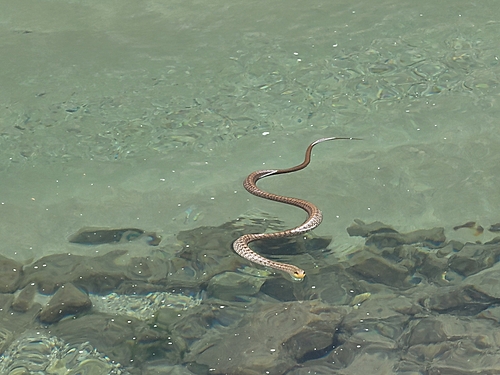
(103, 101)
(150, 114)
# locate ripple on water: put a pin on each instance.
(34, 353)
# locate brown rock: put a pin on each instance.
(474, 258)
(375, 268)
(229, 285)
(24, 300)
(10, 275)
(360, 228)
(272, 340)
(68, 300)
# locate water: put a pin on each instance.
(150, 115)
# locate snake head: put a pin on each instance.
(299, 274)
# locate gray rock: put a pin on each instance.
(474, 258)
(101, 274)
(381, 235)
(361, 229)
(491, 313)
(432, 238)
(486, 282)
(375, 268)
(462, 299)
(123, 339)
(68, 300)
(24, 300)
(433, 267)
(229, 285)
(427, 331)
(99, 236)
(162, 367)
(14, 323)
(96, 274)
(453, 345)
(272, 339)
(10, 275)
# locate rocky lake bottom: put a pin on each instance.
(405, 303)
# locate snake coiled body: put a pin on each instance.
(314, 218)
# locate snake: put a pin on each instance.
(240, 245)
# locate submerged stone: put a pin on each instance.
(68, 300)
(473, 258)
(375, 268)
(273, 339)
(99, 236)
(361, 229)
(229, 285)
(10, 275)
(24, 299)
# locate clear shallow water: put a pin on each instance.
(104, 104)
(150, 115)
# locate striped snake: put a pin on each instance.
(314, 218)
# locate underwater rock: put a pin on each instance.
(375, 268)
(495, 228)
(291, 245)
(191, 324)
(433, 267)
(390, 308)
(374, 326)
(452, 345)
(162, 367)
(432, 238)
(229, 285)
(381, 235)
(14, 323)
(361, 229)
(101, 274)
(99, 236)
(281, 289)
(96, 274)
(273, 339)
(206, 252)
(492, 313)
(10, 275)
(404, 305)
(122, 338)
(486, 282)
(24, 299)
(473, 258)
(6, 334)
(68, 300)
(210, 248)
(459, 300)
(428, 331)
(474, 294)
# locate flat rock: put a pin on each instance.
(361, 229)
(99, 274)
(473, 258)
(461, 300)
(486, 282)
(229, 285)
(432, 238)
(99, 236)
(375, 268)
